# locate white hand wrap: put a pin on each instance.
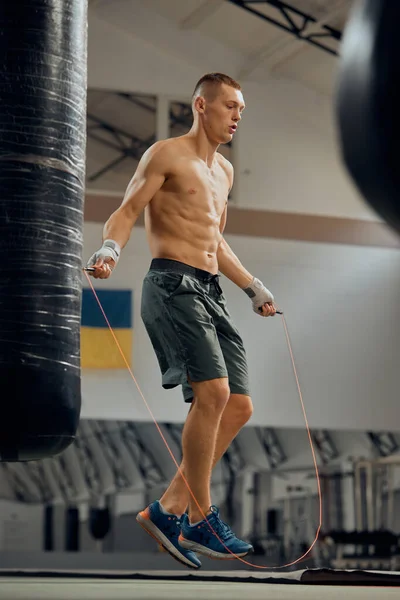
(109, 249)
(258, 294)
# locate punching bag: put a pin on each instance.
(43, 47)
(367, 104)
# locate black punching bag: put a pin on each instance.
(43, 46)
(368, 101)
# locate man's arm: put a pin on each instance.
(230, 266)
(228, 262)
(148, 179)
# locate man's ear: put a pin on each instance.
(200, 104)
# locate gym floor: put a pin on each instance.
(33, 584)
(34, 588)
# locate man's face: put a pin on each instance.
(222, 114)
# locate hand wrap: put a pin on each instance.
(258, 294)
(109, 249)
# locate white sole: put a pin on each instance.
(162, 539)
(199, 549)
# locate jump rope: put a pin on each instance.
(234, 556)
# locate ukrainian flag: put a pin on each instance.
(98, 347)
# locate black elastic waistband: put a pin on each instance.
(166, 264)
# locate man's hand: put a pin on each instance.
(267, 310)
(104, 260)
(261, 298)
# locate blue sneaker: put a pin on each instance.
(165, 529)
(201, 538)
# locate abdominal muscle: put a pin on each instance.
(182, 231)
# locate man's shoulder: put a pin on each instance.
(165, 145)
(160, 153)
(163, 148)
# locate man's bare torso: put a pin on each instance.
(183, 219)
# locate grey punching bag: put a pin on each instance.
(43, 49)
(367, 104)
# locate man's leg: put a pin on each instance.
(237, 412)
(199, 439)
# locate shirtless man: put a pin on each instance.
(182, 184)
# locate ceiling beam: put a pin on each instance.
(200, 14)
(309, 33)
(295, 45)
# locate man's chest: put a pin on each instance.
(194, 180)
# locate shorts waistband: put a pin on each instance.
(167, 264)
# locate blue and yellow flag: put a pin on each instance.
(98, 347)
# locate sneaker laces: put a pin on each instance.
(222, 529)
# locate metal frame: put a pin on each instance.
(324, 443)
(63, 479)
(36, 473)
(297, 524)
(290, 14)
(372, 479)
(89, 465)
(135, 148)
(113, 455)
(272, 446)
(19, 484)
(175, 431)
(233, 458)
(22, 476)
(385, 443)
(232, 463)
(142, 455)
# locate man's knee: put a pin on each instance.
(239, 408)
(213, 393)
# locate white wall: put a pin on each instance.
(342, 310)
(286, 156)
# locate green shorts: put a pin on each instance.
(192, 333)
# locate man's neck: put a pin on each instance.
(204, 148)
